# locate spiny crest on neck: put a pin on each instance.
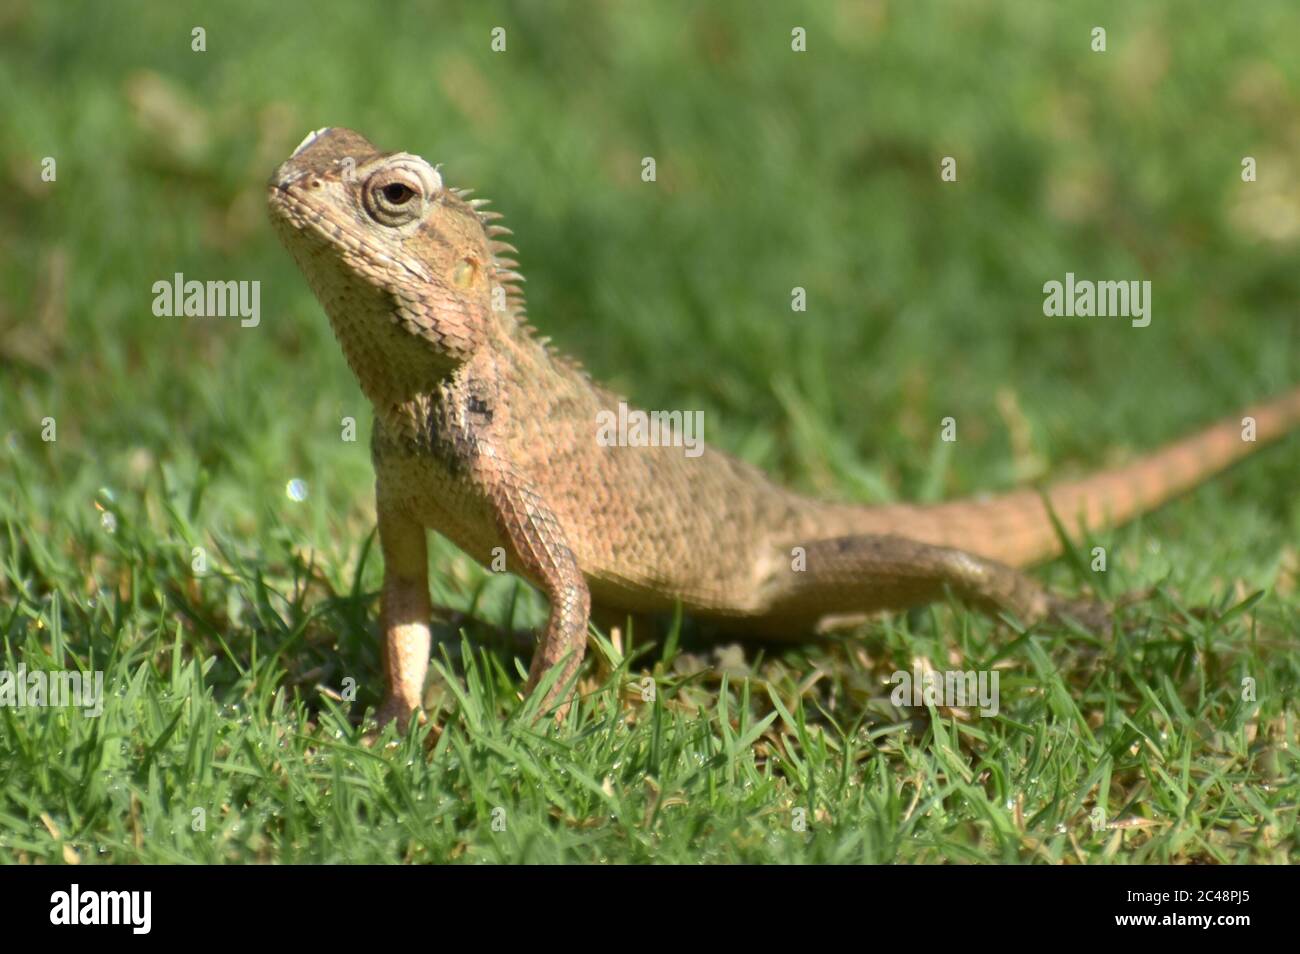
(506, 275)
(504, 266)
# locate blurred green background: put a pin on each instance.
(775, 169)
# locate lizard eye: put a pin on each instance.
(397, 193)
(394, 196)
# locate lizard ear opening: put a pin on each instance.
(465, 272)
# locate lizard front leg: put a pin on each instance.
(405, 612)
(883, 572)
(538, 541)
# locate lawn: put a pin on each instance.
(184, 508)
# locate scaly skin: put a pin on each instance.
(485, 435)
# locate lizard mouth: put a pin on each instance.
(288, 215)
(290, 209)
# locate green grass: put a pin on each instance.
(775, 170)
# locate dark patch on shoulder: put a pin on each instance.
(478, 407)
(477, 396)
(447, 441)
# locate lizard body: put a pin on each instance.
(485, 435)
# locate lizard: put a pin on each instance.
(484, 433)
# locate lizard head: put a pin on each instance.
(387, 248)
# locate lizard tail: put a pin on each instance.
(1016, 529)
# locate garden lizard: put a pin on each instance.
(486, 435)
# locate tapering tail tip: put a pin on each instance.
(1017, 529)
